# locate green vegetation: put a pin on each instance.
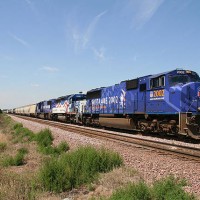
(22, 134)
(44, 140)
(1, 111)
(63, 171)
(16, 160)
(3, 146)
(169, 188)
(76, 168)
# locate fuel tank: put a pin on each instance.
(121, 123)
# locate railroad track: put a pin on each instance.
(189, 153)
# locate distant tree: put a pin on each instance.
(0, 111)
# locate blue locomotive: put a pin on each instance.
(44, 109)
(166, 103)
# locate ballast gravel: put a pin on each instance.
(150, 164)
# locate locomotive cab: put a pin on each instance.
(184, 94)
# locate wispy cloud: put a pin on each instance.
(19, 40)
(141, 12)
(31, 5)
(91, 28)
(81, 39)
(49, 69)
(34, 85)
(99, 53)
(29, 2)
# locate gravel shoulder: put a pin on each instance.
(150, 165)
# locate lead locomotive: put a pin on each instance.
(168, 102)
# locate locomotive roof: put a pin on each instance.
(149, 76)
(168, 72)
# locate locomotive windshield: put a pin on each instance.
(176, 79)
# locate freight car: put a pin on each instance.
(164, 103)
(28, 110)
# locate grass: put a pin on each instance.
(168, 188)
(3, 146)
(16, 160)
(22, 134)
(44, 140)
(70, 170)
(15, 186)
(77, 168)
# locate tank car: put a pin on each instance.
(163, 103)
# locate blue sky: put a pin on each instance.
(50, 48)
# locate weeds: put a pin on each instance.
(165, 189)
(14, 186)
(16, 160)
(44, 140)
(76, 168)
(170, 188)
(22, 134)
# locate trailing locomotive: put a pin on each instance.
(164, 103)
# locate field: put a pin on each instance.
(36, 169)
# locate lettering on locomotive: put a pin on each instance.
(157, 94)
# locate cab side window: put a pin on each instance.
(157, 82)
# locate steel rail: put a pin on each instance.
(190, 153)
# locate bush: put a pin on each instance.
(168, 188)
(132, 191)
(44, 138)
(2, 146)
(76, 168)
(62, 147)
(55, 176)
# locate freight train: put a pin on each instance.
(167, 102)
